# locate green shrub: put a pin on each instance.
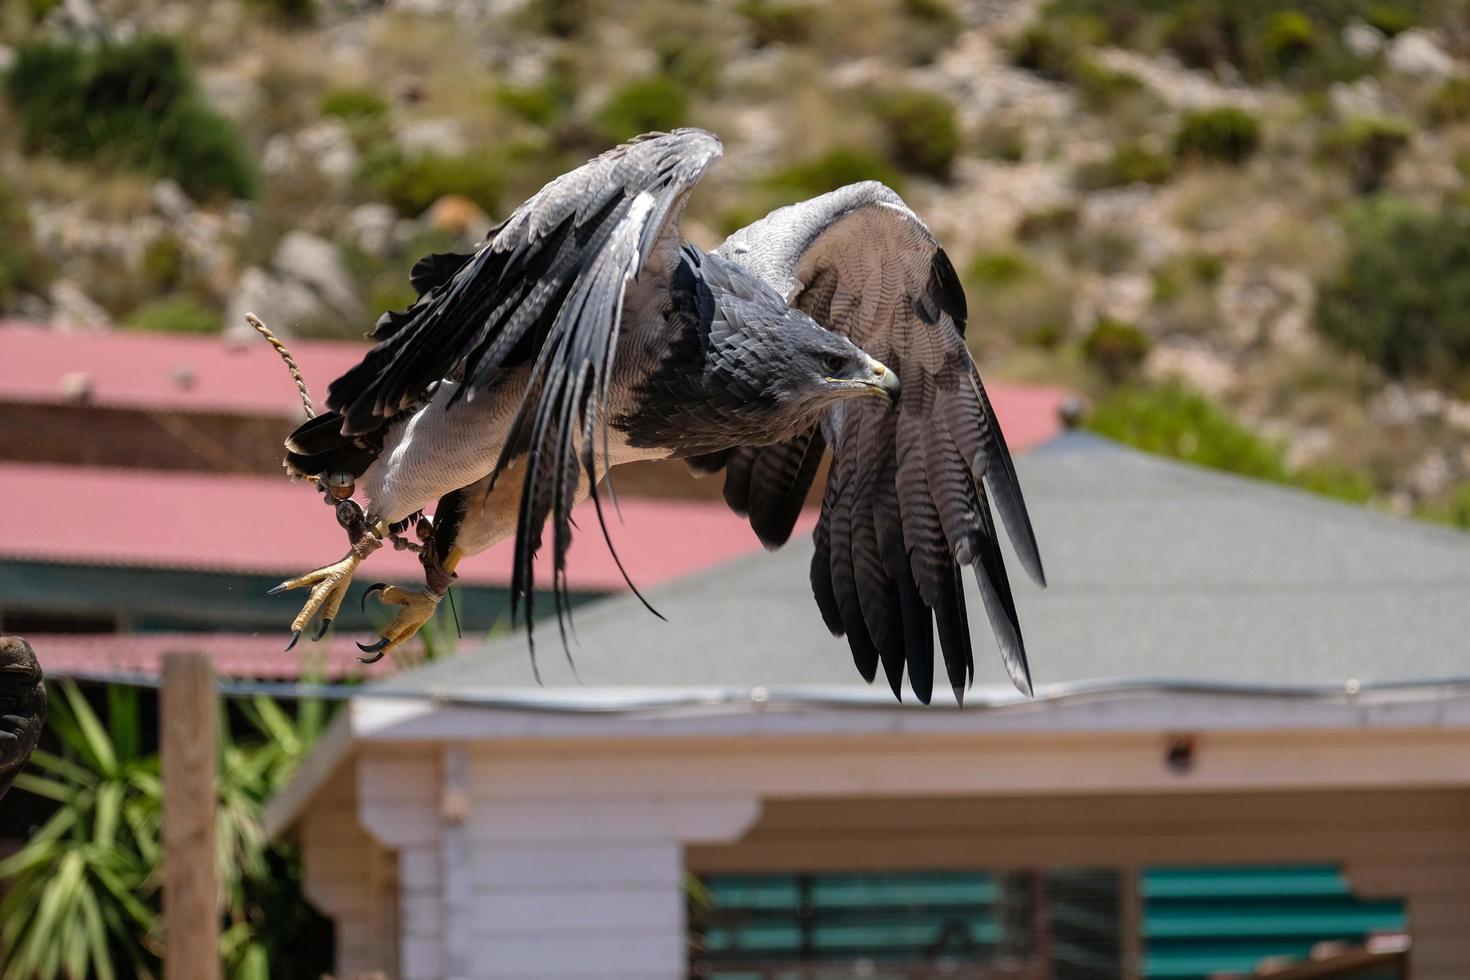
(997, 270)
(174, 314)
(411, 184)
(1131, 163)
(1047, 335)
(1451, 102)
(203, 151)
(39, 9)
(130, 104)
(920, 130)
(1185, 272)
(20, 267)
(164, 263)
(538, 104)
(833, 169)
(938, 12)
(1390, 18)
(353, 103)
(1172, 420)
(290, 11)
(654, 103)
(1455, 511)
(779, 21)
(1202, 35)
(1021, 301)
(1260, 39)
(1102, 88)
(1001, 140)
(1058, 222)
(929, 27)
(1402, 296)
(1367, 147)
(1290, 38)
(1053, 48)
(1330, 480)
(1116, 349)
(559, 18)
(1226, 134)
(692, 61)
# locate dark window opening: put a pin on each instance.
(33, 622)
(1173, 923)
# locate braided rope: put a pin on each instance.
(291, 366)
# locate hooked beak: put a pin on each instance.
(879, 381)
(885, 382)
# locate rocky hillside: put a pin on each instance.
(1238, 228)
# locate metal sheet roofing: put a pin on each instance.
(162, 371)
(1157, 570)
(260, 525)
(235, 655)
(137, 518)
(123, 369)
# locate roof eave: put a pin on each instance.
(593, 714)
(333, 748)
(519, 714)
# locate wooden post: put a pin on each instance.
(1130, 920)
(190, 887)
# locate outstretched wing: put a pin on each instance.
(546, 289)
(907, 502)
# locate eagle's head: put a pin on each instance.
(784, 369)
(747, 370)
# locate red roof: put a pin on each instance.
(162, 371)
(268, 525)
(254, 655)
(261, 525)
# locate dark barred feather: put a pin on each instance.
(905, 506)
(545, 290)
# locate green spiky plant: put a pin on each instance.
(82, 896)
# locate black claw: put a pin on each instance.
(377, 647)
(295, 635)
(375, 587)
(277, 590)
(321, 630)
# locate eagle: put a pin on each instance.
(584, 332)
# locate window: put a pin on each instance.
(964, 924)
(1066, 924)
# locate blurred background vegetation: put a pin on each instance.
(1238, 228)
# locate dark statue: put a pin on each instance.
(22, 707)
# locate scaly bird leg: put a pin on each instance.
(329, 583)
(415, 608)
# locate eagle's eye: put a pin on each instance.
(833, 363)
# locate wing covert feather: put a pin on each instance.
(906, 506)
(546, 290)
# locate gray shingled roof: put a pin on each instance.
(1157, 570)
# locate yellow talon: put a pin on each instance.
(417, 608)
(328, 586)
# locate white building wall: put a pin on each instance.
(502, 879)
(564, 858)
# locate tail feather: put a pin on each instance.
(317, 446)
